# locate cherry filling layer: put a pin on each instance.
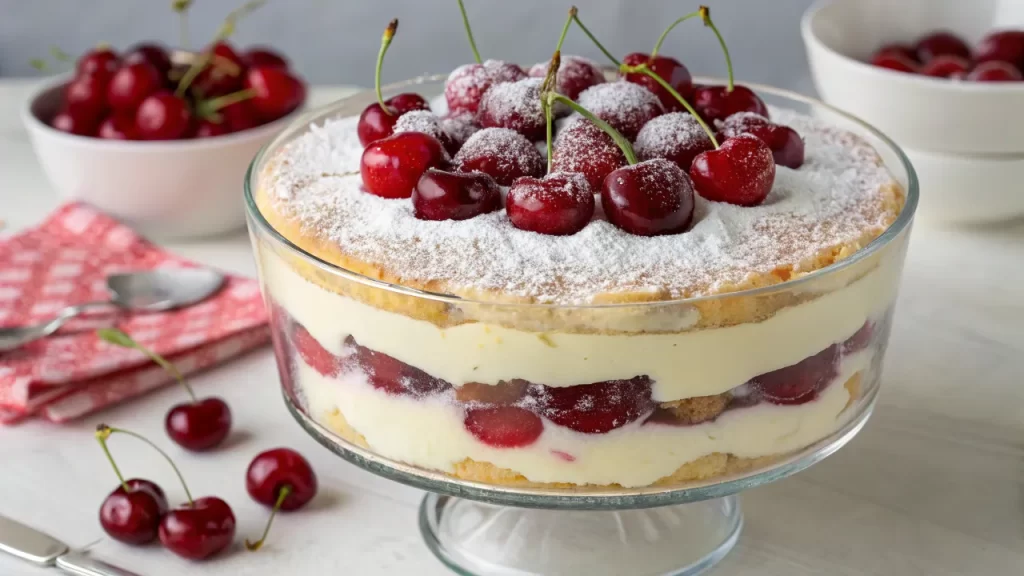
(511, 414)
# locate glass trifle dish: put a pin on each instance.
(651, 318)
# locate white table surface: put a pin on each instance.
(933, 486)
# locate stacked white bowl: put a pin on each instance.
(965, 139)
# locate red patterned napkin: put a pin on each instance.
(65, 261)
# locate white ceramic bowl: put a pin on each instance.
(920, 113)
(172, 189)
(968, 189)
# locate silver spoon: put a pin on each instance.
(151, 291)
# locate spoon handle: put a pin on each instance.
(17, 336)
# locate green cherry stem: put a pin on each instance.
(596, 42)
(227, 28)
(643, 69)
(469, 32)
(548, 87)
(657, 45)
(281, 495)
(101, 436)
(181, 7)
(209, 109)
(565, 29)
(619, 139)
(705, 15)
(120, 338)
(103, 432)
(385, 41)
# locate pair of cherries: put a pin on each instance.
(998, 58)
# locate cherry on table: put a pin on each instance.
(585, 149)
(199, 530)
(117, 127)
(155, 54)
(516, 106)
(559, 204)
(676, 136)
(651, 198)
(132, 83)
(671, 71)
(1003, 46)
(625, 106)
(741, 171)
(942, 43)
(467, 84)
(786, 144)
(995, 71)
(946, 66)
(575, 74)
(262, 56)
(97, 62)
(391, 167)
(504, 426)
(78, 123)
(132, 512)
(443, 195)
(502, 153)
(276, 92)
(718, 102)
(376, 123)
(199, 425)
(282, 479)
(162, 116)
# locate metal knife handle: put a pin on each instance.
(80, 564)
(28, 543)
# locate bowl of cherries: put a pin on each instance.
(161, 138)
(945, 79)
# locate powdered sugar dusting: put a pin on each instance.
(504, 154)
(513, 105)
(420, 121)
(667, 134)
(833, 199)
(624, 105)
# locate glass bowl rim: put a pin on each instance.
(902, 222)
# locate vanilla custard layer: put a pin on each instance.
(682, 365)
(429, 432)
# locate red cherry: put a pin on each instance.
(946, 66)
(375, 123)
(800, 382)
(210, 129)
(97, 62)
(585, 149)
(741, 171)
(441, 195)
(941, 43)
(162, 116)
(131, 84)
(558, 204)
(74, 123)
(502, 153)
(313, 354)
(651, 198)
(624, 105)
(392, 166)
(222, 75)
(504, 426)
(154, 54)
(467, 84)
(261, 56)
(133, 516)
(459, 127)
(860, 339)
(391, 375)
(786, 144)
(596, 408)
(718, 103)
(896, 62)
(117, 127)
(86, 95)
(575, 74)
(239, 116)
(277, 92)
(676, 136)
(1003, 46)
(671, 71)
(425, 121)
(898, 50)
(995, 71)
(199, 531)
(199, 425)
(514, 105)
(272, 470)
(504, 393)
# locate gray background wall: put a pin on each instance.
(336, 41)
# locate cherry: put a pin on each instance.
(596, 408)
(86, 95)
(391, 375)
(459, 127)
(425, 121)
(375, 123)
(154, 54)
(313, 354)
(741, 171)
(895, 61)
(718, 103)
(626, 106)
(199, 425)
(211, 129)
(995, 71)
(392, 166)
(676, 136)
(100, 62)
(77, 123)
(276, 92)
(117, 127)
(786, 144)
(946, 66)
(504, 426)
(897, 50)
(651, 198)
(671, 71)
(282, 479)
(585, 149)
(800, 382)
(575, 74)
(514, 105)
(502, 153)
(239, 116)
(162, 116)
(262, 56)
(941, 43)
(222, 74)
(441, 195)
(199, 530)
(131, 84)
(860, 340)
(132, 512)
(467, 84)
(1003, 46)
(558, 204)
(501, 394)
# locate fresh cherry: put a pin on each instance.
(222, 74)
(459, 127)
(625, 106)
(78, 123)
(199, 425)
(211, 129)
(585, 149)
(132, 512)
(741, 171)
(467, 84)
(282, 479)
(575, 74)
(100, 62)
(425, 121)
(276, 92)
(199, 530)
(131, 84)
(504, 426)
(671, 71)
(154, 54)
(895, 61)
(117, 127)
(676, 136)
(995, 71)
(786, 144)
(898, 50)
(162, 116)
(941, 43)
(800, 382)
(558, 204)
(376, 123)
(392, 166)
(262, 56)
(651, 198)
(946, 66)
(596, 408)
(442, 195)
(1003, 46)
(514, 105)
(239, 116)
(718, 103)
(502, 153)
(86, 95)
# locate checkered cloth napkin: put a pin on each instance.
(65, 261)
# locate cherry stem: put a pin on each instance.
(227, 28)
(548, 87)
(643, 69)
(103, 432)
(181, 7)
(281, 495)
(469, 32)
(705, 15)
(120, 338)
(619, 139)
(596, 42)
(657, 45)
(385, 41)
(565, 29)
(209, 109)
(101, 437)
